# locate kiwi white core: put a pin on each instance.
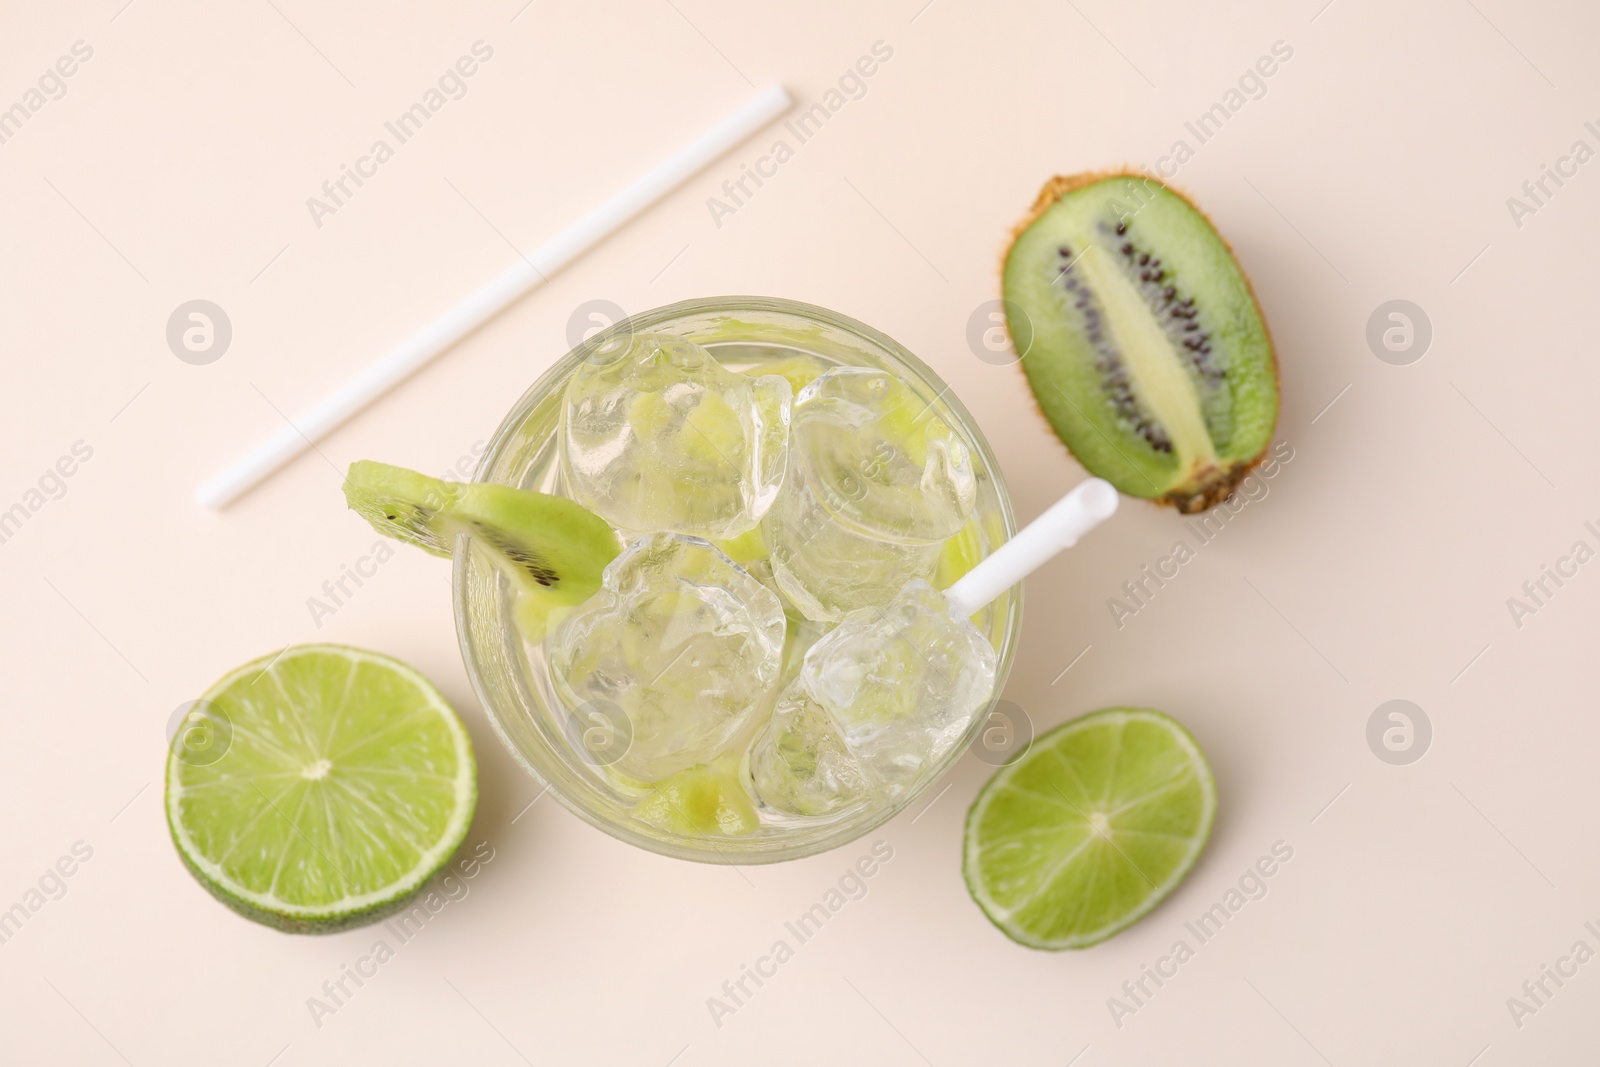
(1160, 380)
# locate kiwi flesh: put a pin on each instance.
(1141, 338)
(553, 550)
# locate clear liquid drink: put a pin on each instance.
(812, 476)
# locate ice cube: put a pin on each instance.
(901, 683)
(877, 482)
(657, 436)
(682, 642)
(799, 764)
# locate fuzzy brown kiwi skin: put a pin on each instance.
(1215, 492)
(1220, 485)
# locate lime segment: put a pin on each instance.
(1092, 828)
(320, 788)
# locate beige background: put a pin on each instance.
(1377, 166)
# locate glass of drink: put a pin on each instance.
(608, 764)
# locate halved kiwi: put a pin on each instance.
(1147, 351)
(554, 550)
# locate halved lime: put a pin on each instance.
(319, 788)
(1091, 829)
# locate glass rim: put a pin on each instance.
(728, 852)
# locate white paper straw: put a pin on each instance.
(1090, 503)
(522, 276)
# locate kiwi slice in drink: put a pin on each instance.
(553, 549)
(1141, 338)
